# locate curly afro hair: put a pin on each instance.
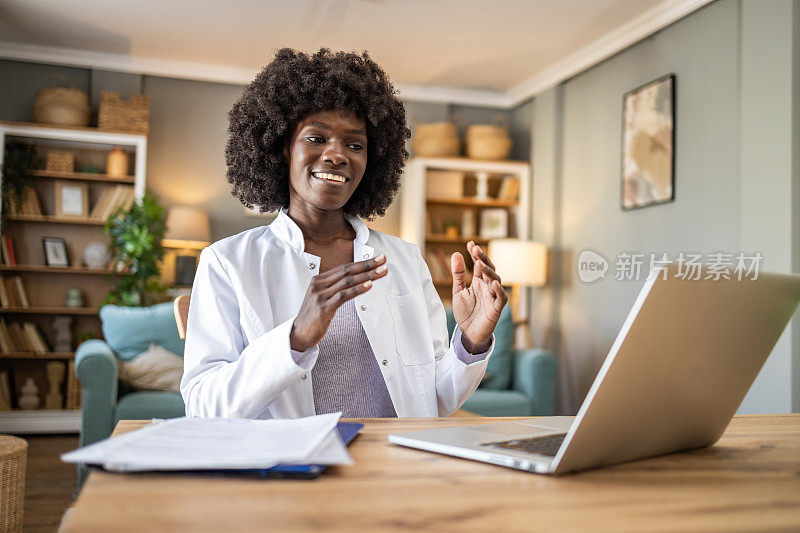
(293, 85)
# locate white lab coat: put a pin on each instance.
(246, 295)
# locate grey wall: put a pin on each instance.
(733, 177)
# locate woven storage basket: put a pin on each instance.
(65, 106)
(13, 460)
(437, 139)
(61, 161)
(490, 148)
(128, 116)
(485, 130)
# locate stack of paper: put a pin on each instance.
(219, 444)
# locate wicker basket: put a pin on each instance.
(64, 106)
(128, 116)
(438, 139)
(13, 459)
(489, 148)
(60, 161)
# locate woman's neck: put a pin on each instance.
(321, 226)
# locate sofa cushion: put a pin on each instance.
(155, 369)
(150, 404)
(130, 330)
(500, 363)
(498, 403)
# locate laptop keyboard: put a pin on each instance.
(548, 445)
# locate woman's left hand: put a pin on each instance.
(476, 308)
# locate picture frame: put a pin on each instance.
(55, 252)
(72, 199)
(648, 144)
(494, 223)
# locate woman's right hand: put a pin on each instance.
(326, 293)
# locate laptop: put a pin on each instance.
(679, 368)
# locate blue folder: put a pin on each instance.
(347, 432)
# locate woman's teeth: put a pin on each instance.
(330, 177)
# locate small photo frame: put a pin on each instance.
(494, 223)
(72, 199)
(55, 252)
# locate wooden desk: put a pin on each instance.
(750, 480)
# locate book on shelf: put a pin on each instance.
(120, 200)
(30, 204)
(7, 248)
(5, 302)
(10, 293)
(19, 338)
(5, 391)
(6, 344)
(434, 266)
(509, 188)
(22, 295)
(73, 400)
(35, 338)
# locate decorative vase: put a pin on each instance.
(74, 298)
(117, 162)
(96, 255)
(29, 395)
(63, 333)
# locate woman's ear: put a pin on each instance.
(285, 151)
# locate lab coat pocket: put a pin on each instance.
(412, 329)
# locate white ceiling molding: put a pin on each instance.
(626, 35)
(621, 38)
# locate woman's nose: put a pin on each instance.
(334, 154)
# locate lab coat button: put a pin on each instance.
(363, 307)
(312, 266)
(384, 362)
(305, 376)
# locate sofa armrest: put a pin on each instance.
(535, 377)
(96, 368)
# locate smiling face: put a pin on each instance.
(327, 156)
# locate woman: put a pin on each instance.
(315, 312)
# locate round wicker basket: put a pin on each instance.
(485, 130)
(436, 146)
(490, 148)
(13, 459)
(437, 139)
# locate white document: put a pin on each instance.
(217, 443)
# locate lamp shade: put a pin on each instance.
(519, 262)
(187, 227)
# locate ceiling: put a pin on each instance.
(496, 53)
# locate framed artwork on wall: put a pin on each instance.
(648, 144)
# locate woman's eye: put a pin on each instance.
(356, 146)
(315, 139)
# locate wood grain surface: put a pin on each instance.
(748, 481)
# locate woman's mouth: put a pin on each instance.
(329, 177)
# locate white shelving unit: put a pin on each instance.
(46, 285)
(415, 204)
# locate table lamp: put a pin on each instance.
(520, 264)
(187, 229)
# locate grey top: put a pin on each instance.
(346, 376)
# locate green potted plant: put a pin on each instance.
(19, 161)
(136, 252)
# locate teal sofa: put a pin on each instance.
(518, 382)
(128, 331)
